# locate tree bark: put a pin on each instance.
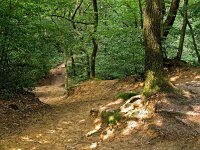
(155, 80)
(170, 18)
(4, 58)
(183, 30)
(141, 13)
(73, 63)
(94, 41)
(66, 69)
(78, 6)
(193, 37)
(83, 49)
(168, 23)
(162, 28)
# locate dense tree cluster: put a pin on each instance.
(102, 39)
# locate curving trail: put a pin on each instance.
(65, 125)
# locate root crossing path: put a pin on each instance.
(65, 124)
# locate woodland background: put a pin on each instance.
(38, 35)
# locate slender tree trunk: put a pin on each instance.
(66, 69)
(162, 28)
(93, 57)
(170, 18)
(106, 27)
(88, 65)
(193, 37)
(4, 60)
(94, 41)
(136, 21)
(155, 80)
(141, 13)
(168, 23)
(183, 30)
(83, 49)
(73, 63)
(194, 41)
(77, 7)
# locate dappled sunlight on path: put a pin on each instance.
(68, 125)
(64, 126)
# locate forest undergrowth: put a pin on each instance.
(56, 121)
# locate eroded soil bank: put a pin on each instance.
(64, 122)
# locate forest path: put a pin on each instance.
(51, 90)
(65, 125)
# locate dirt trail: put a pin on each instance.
(65, 125)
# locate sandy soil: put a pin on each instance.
(64, 123)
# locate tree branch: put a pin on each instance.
(193, 37)
(68, 19)
(74, 14)
(171, 17)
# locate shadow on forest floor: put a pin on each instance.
(65, 121)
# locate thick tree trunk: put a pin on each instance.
(152, 29)
(94, 41)
(182, 36)
(155, 80)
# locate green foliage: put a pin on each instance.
(126, 96)
(172, 42)
(34, 34)
(122, 55)
(121, 43)
(119, 38)
(111, 118)
(27, 45)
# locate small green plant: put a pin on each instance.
(126, 95)
(111, 118)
